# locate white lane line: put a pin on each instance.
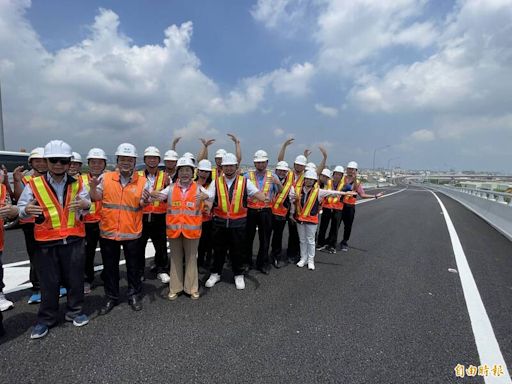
(486, 343)
(386, 195)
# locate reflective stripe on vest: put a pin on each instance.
(225, 208)
(278, 207)
(121, 214)
(59, 222)
(184, 212)
(3, 194)
(334, 202)
(304, 213)
(298, 183)
(156, 206)
(267, 182)
(94, 210)
(349, 199)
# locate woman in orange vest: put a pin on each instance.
(183, 221)
(306, 201)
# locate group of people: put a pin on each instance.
(207, 213)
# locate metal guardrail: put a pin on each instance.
(493, 207)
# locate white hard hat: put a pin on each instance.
(57, 148)
(97, 153)
(260, 156)
(151, 151)
(190, 156)
(77, 158)
(126, 149)
(229, 159)
(185, 162)
(36, 153)
(205, 165)
(220, 153)
(339, 169)
(352, 164)
(311, 165)
(310, 175)
(171, 155)
(327, 172)
(301, 160)
(283, 166)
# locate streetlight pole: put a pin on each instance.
(375, 151)
(389, 169)
(2, 142)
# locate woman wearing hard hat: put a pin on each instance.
(352, 183)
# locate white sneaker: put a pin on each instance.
(301, 263)
(240, 282)
(212, 280)
(311, 265)
(4, 303)
(163, 277)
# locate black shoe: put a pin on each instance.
(108, 306)
(135, 303)
(265, 270)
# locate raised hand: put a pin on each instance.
(17, 174)
(307, 152)
(207, 143)
(323, 150)
(289, 141)
(233, 137)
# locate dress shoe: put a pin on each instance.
(135, 303)
(108, 306)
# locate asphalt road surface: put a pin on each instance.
(391, 310)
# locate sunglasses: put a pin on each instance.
(62, 160)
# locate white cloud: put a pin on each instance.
(273, 13)
(278, 132)
(327, 111)
(422, 135)
(294, 82)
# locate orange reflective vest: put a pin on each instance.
(3, 194)
(121, 213)
(299, 181)
(278, 207)
(267, 183)
(59, 222)
(158, 185)
(349, 199)
(308, 212)
(226, 208)
(184, 212)
(94, 214)
(25, 181)
(334, 202)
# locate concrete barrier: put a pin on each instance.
(490, 206)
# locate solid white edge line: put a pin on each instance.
(386, 195)
(485, 339)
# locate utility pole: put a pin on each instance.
(2, 141)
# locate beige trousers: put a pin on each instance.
(184, 278)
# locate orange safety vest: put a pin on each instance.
(3, 194)
(299, 181)
(159, 184)
(59, 222)
(121, 213)
(230, 209)
(349, 199)
(267, 183)
(184, 212)
(278, 207)
(308, 212)
(334, 202)
(25, 181)
(94, 214)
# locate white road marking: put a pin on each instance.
(485, 339)
(386, 195)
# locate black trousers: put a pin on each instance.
(261, 218)
(293, 251)
(228, 240)
(2, 285)
(333, 218)
(278, 224)
(153, 227)
(30, 242)
(57, 265)
(110, 253)
(92, 236)
(205, 248)
(348, 214)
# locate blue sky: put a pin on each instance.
(429, 78)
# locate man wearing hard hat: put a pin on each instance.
(39, 167)
(352, 183)
(57, 201)
(123, 194)
(170, 160)
(259, 213)
(76, 165)
(153, 221)
(332, 208)
(229, 194)
(97, 161)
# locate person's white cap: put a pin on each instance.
(327, 172)
(301, 160)
(171, 155)
(339, 169)
(220, 153)
(185, 162)
(152, 151)
(229, 159)
(57, 148)
(205, 165)
(352, 164)
(126, 149)
(260, 156)
(283, 166)
(309, 174)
